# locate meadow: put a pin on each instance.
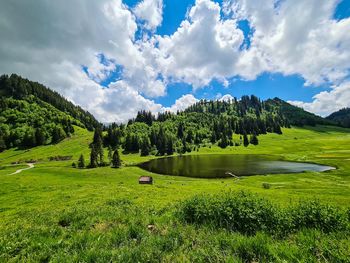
(57, 213)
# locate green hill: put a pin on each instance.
(297, 116)
(341, 117)
(33, 115)
(225, 123)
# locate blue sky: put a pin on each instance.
(267, 85)
(121, 56)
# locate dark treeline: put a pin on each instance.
(341, 117)
(225, 123)
(33, 115)
(295, 115)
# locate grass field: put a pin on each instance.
(56, 213)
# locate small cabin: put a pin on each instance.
(145, 180)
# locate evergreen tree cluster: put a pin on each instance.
(225, 123)
(341, 117)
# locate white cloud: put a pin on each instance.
(150, 11)
(298, 37)
(227, 97)
(50, 42)
(204, 47)
(182, 103)
(327, 102)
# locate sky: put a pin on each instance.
(116, 57)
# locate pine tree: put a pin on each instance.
(116, 162)
(110, 154)
(81, 162)
(245, 140)
(97, 144)
(2, 144)
(169, 146)
(58, 134)
(161, 142)
(145, 146)
(93, 157)
(223, 142)
(254, 139)
(40, 137)
(180, 130)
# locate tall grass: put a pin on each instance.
(248, 214)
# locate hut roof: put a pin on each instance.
(145, 179)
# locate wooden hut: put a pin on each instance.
(145, 180)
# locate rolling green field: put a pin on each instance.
(56, 213)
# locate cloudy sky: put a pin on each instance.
(116, 57)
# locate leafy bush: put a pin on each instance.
(266, 185)
(247, 213)
(313, 214)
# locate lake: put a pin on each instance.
(219, 166)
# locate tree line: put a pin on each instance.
(223, 123)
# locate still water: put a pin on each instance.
(220, 166)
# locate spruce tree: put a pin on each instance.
(223, 142)
(110, 154)
(245, 140)
(98, 146)
(40, 136)
(254, 139)
(169, 146)
(2, 144)
(81, 162)
(145, 146)
(116, 162)
(93, 157)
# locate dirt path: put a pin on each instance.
(31, 165)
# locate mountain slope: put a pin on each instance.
(295, 115)
(33, 115)
(225, 123)
(20, 88)
(341, 117)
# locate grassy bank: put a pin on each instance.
(56, 213)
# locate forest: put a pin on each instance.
(32, 114)
(235, 122)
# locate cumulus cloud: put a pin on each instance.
(182, 103)
(327, 102)
(72, 46)
(51, 42)
(203, 48)
(227, 97)
(150, 11)
(297, 37)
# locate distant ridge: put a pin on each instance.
(341, 117)
(298, 116)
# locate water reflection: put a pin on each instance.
(218, 166)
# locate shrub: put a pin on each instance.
(247, 213)
(266, 185)
(315, 215)
(240, 212)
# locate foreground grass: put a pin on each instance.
(56, 213)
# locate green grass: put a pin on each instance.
(56, 213)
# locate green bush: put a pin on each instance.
(248, 214)
(315, 215)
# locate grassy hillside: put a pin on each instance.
(54, 212)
